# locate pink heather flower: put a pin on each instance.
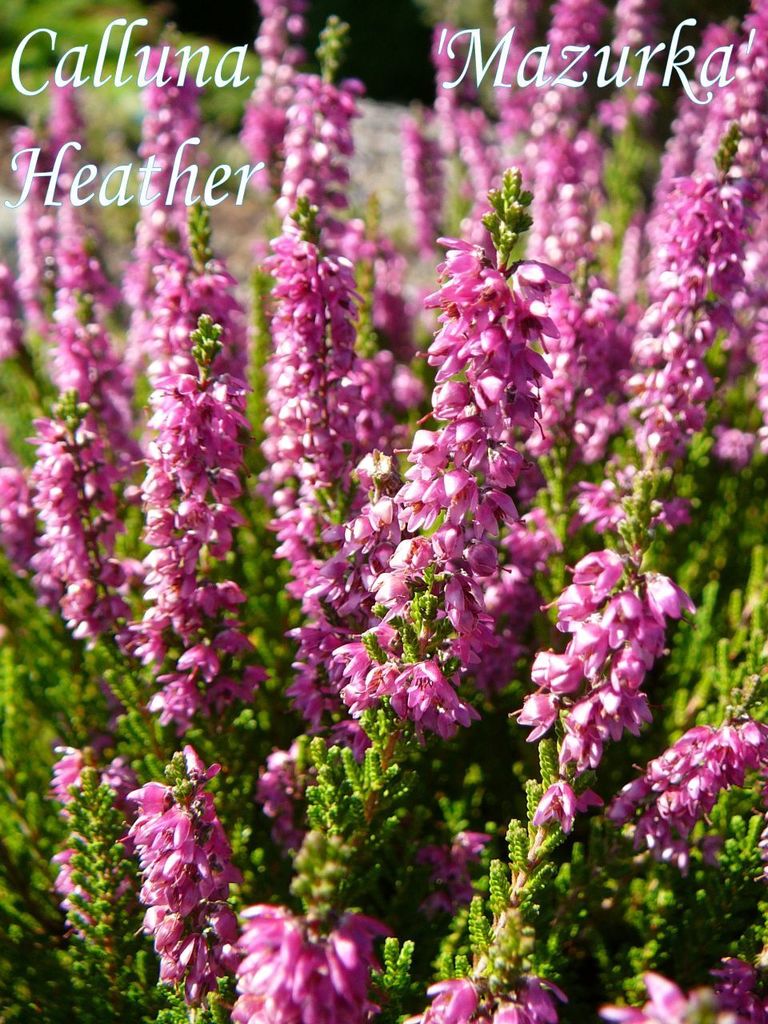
(459, 475)
(313, 396)
(600, 504)
(567, 176)
(194, 466)
(423, 177)
(617, 632)
(185, 860)
(282, 23)
(10, 318)
(280, 789)
(668, 1005)
(635, 23)
(735, 986)
(183, 292)
(171, 117)
(511, 596)
(338, 596)
(701, 271)
(756, 327)
(461, 1001)
(17, 514)
(581, 403)
(73, 491)
(447, 61)
(265, 119)
(392, 312)
(742, 101)
(484, 165)
(513, 107)
(292, 974)
(560, 804)
(449, 871)
(66, 773)
(317, 145)
(564, 159)
(454, 1001)
(573, 23)
(36, 236)
(692, 122)
(630, 271)
(749, 90)
(84, 359)
(681, 787)
(78, 267)
(733, 446)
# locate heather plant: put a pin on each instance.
(379, 652)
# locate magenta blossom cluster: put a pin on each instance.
(694, 138)
(10, 316)
(318, 140)
(736, 987)
(461, 1001)
(327, 404)
(79, 270)
(581, 403)
(266, 113)
(279, 790)
(567, 183)
(457, 481)
(314, 400)
(187, 871)
(171, 117)
(339, 598)
(18, 527)
(448, 102)
(292, 973)
(68, 770)
(73, 491)
(512, 104)
(84, 359)
(680, 788)
(700, 259)
(36, 236)
(194, 467)
(184, 291)
(483, 160)
(744, 102)
(423, 178)
(668, 1004)
(449, 866)
(616, 619)
(511, 595)
(559, 109)
(636, 22)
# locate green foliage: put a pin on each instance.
(509, 218)
(108, 975)
(394, 981)
(334, 40)
(355, 811)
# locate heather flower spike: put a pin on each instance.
(186, 866)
